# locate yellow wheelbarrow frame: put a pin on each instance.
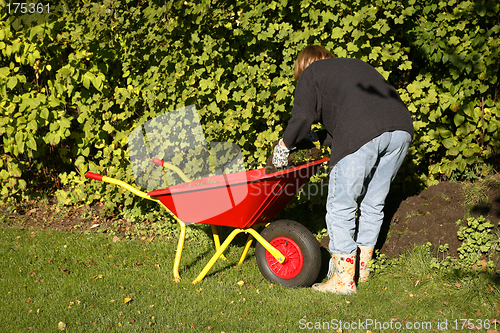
(220, 248)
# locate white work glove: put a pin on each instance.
(280, 155)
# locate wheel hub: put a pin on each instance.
(294, 260)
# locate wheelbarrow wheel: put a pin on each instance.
(301, 250)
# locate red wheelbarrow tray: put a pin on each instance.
(243, 200)
(240, 200)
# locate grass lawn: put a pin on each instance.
(91, 284)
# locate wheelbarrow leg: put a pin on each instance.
(216, 256)
(178, 253)
(215, 233)
(180, 243)
(245, 250)
(248, 244)
(275, 253)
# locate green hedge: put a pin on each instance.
(74, 86)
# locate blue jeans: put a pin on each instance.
(359, 184)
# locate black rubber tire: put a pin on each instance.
(309, 248)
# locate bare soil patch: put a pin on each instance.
(431, 217)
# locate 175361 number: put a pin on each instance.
(27, 8)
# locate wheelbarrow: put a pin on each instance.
(286, 251)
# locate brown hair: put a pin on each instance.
(308, 55)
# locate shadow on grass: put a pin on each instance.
(487, 278)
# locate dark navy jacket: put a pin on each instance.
(353, 102)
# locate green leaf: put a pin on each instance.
(31, 143)
(352, 47)
(445, 133)
(450, 142)
(86, 81)
(64, 123)
(454, 151)
(65, 71)
(20, 141)
(337, 33)
(97, 83)
(481, 9)
(108, 128)
(44, 113)
(462, 164)
(4, 72)
(458, 119)
(12, 82)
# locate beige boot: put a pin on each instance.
(342, 280)
(365, 255)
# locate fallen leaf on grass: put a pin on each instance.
(458, 285)
(61, 326)
(126, 300)
(116, 239)
(240, 283)
(65, 271)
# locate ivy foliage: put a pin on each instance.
(73, 86)
(478, 239)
